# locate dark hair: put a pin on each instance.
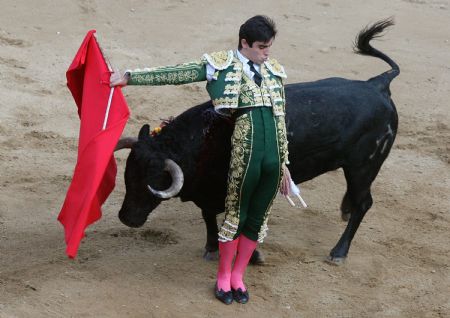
(259, 28)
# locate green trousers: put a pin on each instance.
(254, 175)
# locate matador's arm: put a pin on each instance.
(169, 75)
(201, 70)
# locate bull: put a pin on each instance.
(331, 123)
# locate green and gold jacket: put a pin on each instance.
(230, 88)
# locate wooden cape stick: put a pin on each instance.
(296, 191)
(111, 92)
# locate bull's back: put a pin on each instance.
(324, 119)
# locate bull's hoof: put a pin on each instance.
(257, 258)
(211, 255)
(334, 260)
(345, 216)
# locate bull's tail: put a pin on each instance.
(362, 46)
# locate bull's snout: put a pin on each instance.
(129, 220)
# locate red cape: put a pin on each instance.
(95, 170)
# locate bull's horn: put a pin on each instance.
(126, 142)
(177, 181)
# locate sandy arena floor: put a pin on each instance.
(398, 265)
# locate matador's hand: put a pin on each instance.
(118, 79)
(285, 187)
(288, 188)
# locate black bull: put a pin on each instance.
(332, 123)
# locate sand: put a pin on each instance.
(398, 265)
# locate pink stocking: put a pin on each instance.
(244, 252)
(227, 251)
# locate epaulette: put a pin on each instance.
(275, 68)
(219, 60)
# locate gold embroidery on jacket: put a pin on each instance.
(219, 60)
(167, 78)
(231, 89)
(226, 102)
(275, 68)
(233, 76)
(282, 138)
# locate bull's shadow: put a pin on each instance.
(332, 123)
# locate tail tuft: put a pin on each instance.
(362, 46)
(370, 32)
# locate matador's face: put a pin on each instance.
(258, 53)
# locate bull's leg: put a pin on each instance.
(257, 258)
(346, 208)
(357, 201)
(212, 243)
(340, 251)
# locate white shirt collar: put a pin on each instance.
(244, 61)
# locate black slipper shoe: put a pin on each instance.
(223, 296)
(240, 296)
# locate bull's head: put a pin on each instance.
(150, 177)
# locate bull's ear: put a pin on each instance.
(144, 133)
